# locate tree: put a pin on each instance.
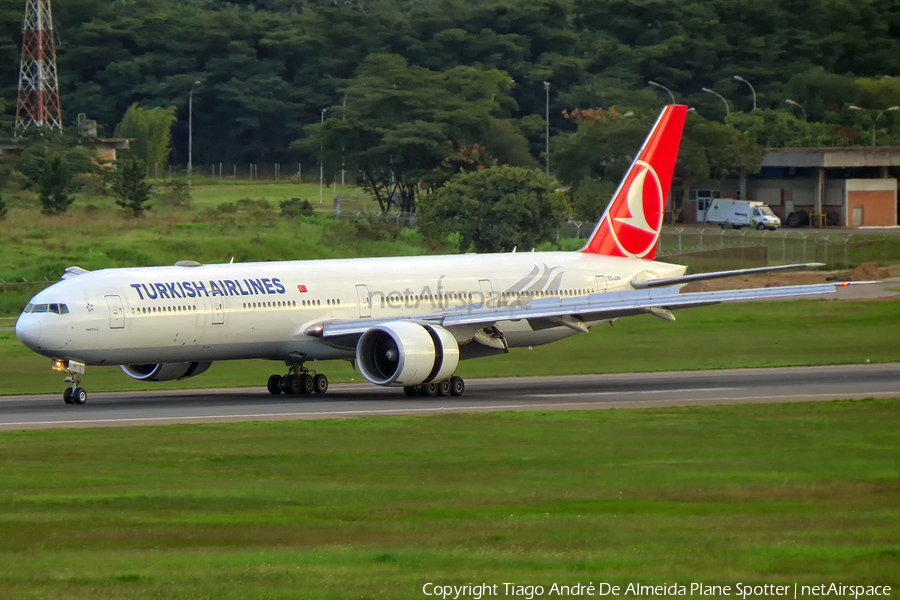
(151, 130)
(711, 150)
(56, 183)
(131, 190)
(602, 148)
(494, 210)
(781, 129)
(401, 123)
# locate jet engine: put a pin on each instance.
(165, 371)
(404, 353)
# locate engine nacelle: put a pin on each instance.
(165, 371)
(403, 353)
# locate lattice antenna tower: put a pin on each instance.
(38, 103)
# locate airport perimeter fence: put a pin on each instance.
(836, 250)
(784, 246)
(248, 172)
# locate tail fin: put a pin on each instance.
(632, 221)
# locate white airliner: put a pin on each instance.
(405, 321)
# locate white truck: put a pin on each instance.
(741, 213)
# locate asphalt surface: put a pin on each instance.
(580, 392)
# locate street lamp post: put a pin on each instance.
(343, 118)
(191, 134)
(662, 87)
(875, 120)
(739, 78)
(547, 129)
(792, 103)
(724, 101)
(321, 165)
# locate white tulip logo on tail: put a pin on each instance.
(637, 232)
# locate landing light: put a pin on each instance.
(59, 365)
(844, 283)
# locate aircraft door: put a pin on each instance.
(218, 310)
(601, 283)
(365, 307)
(116, 312)
(487, 292)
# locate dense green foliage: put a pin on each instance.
(495, 210)
(267, 68)
(56, 185)
(151, 132)
(130, 188)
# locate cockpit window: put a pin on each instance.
(59, 309)
(28, 308)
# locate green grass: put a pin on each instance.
(761, 334)
(375, 508)
(96, 234)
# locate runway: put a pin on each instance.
(579, 392)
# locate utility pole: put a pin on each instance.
(547, 129)
(38, 100)
(190, 168)
(322, 165)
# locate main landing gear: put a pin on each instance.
(455, 386)
(299, 380)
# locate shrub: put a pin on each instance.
(296, 207)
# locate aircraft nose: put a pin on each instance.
(28, 330)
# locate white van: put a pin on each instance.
(741, 213)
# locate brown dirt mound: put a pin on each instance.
(868, 272)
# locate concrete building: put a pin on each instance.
(849, 187)
(107, 148)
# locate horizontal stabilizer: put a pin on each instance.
(74, 272)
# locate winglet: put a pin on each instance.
(633, 220)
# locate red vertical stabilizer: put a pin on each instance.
(633, 220)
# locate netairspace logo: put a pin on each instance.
(478, 591)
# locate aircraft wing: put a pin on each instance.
(668, 281)
(573, 312)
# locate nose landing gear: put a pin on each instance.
(75, 394)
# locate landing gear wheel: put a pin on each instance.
(291, 384)
(274, 385)
(457, 386)
(67, 396)
(411, 390)
(79, 396)
(444, 388)
(320, 384)
(306, 383)
(430, 389)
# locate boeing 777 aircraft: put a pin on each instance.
(405, 321)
